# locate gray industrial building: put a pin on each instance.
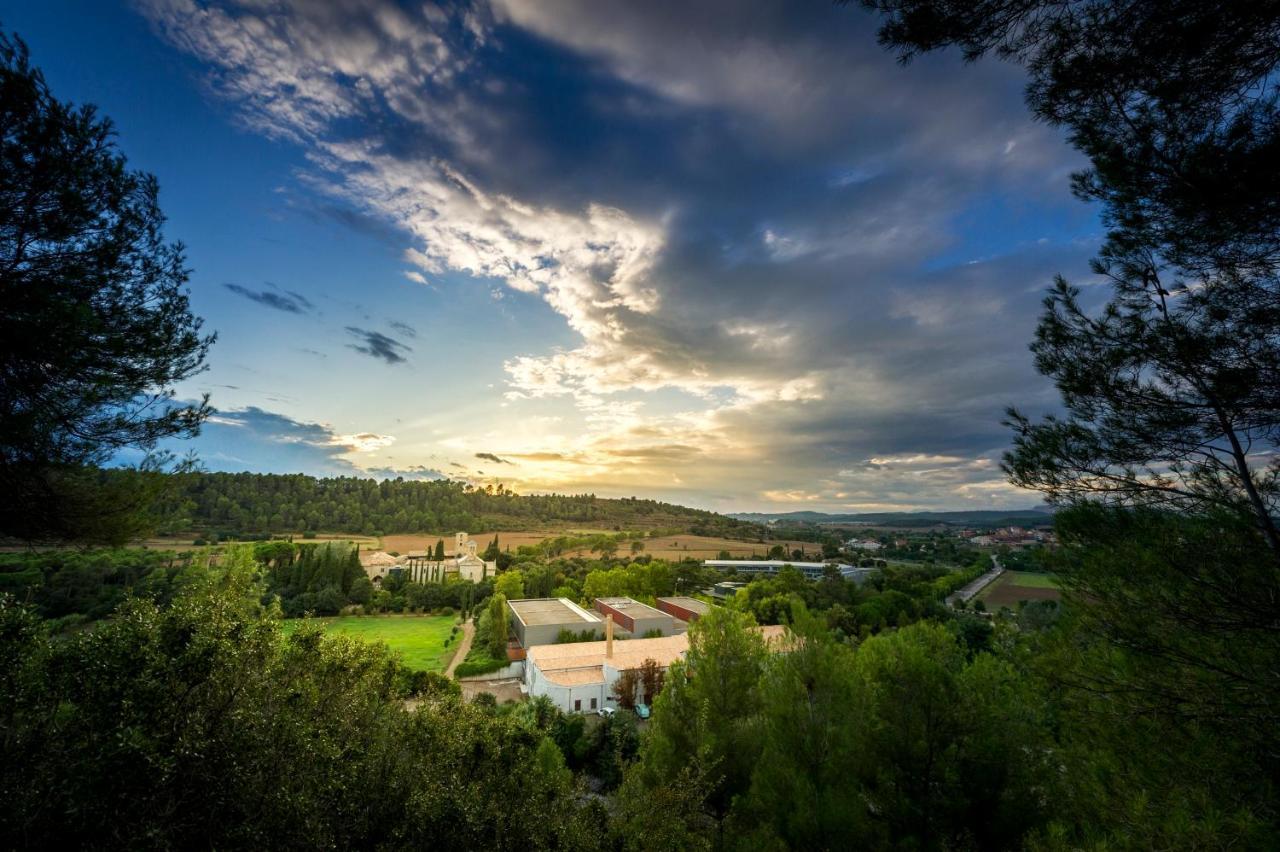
(538, 621)
(770, 567)
(634, 618)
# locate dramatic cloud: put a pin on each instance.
(794, 271)
(281, 300)
(363, 442)
(375, 344)
(404, 328)
(491, 457)
(252, 438)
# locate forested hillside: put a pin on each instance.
(241, 503)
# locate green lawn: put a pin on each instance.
(419, 639)
(1029, 580)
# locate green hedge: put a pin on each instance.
(484, 665)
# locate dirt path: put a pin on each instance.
(468, 633)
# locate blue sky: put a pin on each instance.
(731, 256)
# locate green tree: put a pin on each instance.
(1170, 390)
(803, 792)
(439, 555)
(509, 584)
(947, 751)
(96, 328)
(499, 626)
(199, 724)
(706, 712)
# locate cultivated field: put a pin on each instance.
(185, 542)
(419, 639)
(1014, 586)
(664, 547)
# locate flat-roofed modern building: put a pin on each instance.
(538, 621)
(634, 618)
(685, 609)
(579, 677)
(769, 567)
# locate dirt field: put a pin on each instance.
(704, 547)
(405, 543)
(1014, 586)
(665, 547)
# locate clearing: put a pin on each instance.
(1014, 586)
(419, 639)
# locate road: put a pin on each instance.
(967, 593)
(464, 645)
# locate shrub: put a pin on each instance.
(478, 666)
(199, 542)
(309, 534)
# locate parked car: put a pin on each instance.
(642, 710)
(606, 711)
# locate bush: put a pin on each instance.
(199, 542)
(309, 534)
(478, 666)
(448, 610)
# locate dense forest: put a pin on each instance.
(235, 504)
(151, 700)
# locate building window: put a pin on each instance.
(593, 704)
(577, 705)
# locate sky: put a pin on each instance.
(730, 255)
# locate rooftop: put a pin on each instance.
(633, 608)
(764, 563)
(691, 604)
(532, 611)
(664, 650)
(575, 677)
(556, 661)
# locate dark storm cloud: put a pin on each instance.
(404, 328)
(752, 204)
(281, 300)
(493, 458)
(375, 344)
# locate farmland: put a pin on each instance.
(419, 639)
(1014, 586)
(662, 547)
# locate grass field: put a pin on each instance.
(419, 639)
(1029, 580)
(1015, 586)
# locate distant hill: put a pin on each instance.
(985, 518)
(243, 503)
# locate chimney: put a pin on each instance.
(608, 636)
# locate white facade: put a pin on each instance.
(577, 674)
(464, 564)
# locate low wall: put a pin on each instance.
(511, 670)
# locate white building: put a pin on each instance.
(464, 564)
(579, 677)
(868, 545)
(770, 567)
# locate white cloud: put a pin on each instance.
(776, 322)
